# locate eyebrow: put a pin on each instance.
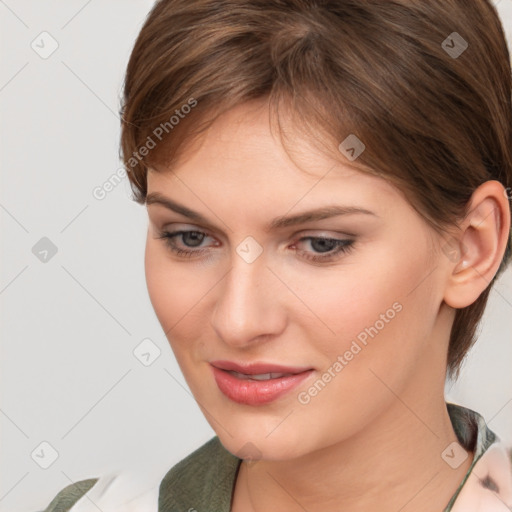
(324, 212)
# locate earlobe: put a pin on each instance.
(482, 243)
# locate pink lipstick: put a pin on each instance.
(257, 383)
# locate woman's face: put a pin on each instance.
(352, 299)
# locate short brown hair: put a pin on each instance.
(425, 84)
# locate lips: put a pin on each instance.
(261, 376)
(258, 368)
(257, 383)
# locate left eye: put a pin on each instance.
(324, 248)
(329, 248)
(193, 237)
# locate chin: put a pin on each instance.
(255, 444)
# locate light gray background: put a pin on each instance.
(69, 326)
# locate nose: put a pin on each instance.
(248, 306)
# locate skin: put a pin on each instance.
(372, 439)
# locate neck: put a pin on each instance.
(393, 465)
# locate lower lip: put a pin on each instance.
(253, 392)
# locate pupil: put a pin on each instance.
(323, 245)
(194, 236)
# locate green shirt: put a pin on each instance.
(204, 481)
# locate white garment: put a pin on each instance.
(119, 492)
(477, 495)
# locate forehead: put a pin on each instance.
(249, 134)
(242, 152)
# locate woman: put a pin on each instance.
(328, 187)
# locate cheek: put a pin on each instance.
(381, 332)
(171, 289)
(178, 293)
(379, 313)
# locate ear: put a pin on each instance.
(478, 249)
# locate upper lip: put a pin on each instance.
(258, 368)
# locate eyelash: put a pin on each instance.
(341, 246)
